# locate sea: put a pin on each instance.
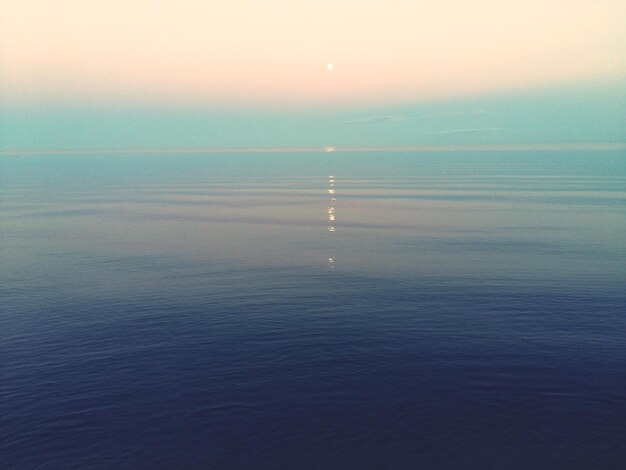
(294, 309)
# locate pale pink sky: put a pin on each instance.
(276, 51)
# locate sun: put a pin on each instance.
(330, 66)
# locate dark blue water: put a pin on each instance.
(313, 311)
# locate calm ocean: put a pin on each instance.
(313, 310)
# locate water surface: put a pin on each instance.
(323, 310)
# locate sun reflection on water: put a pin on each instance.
(331, 204)
(331, 212)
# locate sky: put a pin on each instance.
(211, 73)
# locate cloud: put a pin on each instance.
(475, 112)
(463, 131)
(376, 119)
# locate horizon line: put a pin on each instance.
(324, 149)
